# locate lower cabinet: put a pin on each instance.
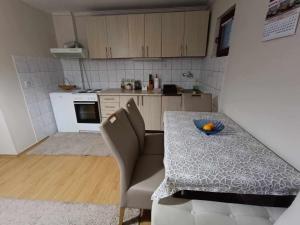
(125, 98)
(170, 103)
(153, 107)
(150, 108)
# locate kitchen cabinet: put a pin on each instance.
(150, 108)
(170, 103)
(125, 98)
(108, 105)
(197, 103)
(97, 37)
(136, 27)
(153, 35)
(153, 105)
(117, 36)
(195, 33)
(172, 34)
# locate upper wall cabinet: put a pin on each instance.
(153, 35)
(195, 33)
(97, 37)
(117, 35)
(136, 25)
(172, 34)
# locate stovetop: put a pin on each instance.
(88, 91)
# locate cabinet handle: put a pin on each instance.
(110, 52)
(181, 47)
(138, 100)
(147, 51)
(143, 51)
(186, 48)
(142, 100)
(106, 52)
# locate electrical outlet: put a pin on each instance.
(27, 84)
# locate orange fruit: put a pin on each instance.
(208, 127)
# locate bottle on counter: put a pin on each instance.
(151, 83)
(156, 82)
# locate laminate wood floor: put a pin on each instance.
(81, 179)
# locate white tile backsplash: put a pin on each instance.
(38, 77)
(208, 72)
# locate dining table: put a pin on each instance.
(232, 161)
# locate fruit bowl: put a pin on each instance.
(217, 126)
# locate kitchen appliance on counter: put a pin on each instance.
(170, 90)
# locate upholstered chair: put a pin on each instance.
(140, 174)
(149, 143)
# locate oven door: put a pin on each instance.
(87, 112)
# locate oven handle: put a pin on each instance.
(84, 103)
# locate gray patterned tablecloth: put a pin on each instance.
(232, 161)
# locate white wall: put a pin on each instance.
(262, 82)
(28, 32)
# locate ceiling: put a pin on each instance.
(99, 5)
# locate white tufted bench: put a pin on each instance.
(196, 212)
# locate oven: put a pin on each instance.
(87, 111)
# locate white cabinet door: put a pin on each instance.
(195, 34)
(136, 27)
(172, 34)
(153, 35)
(97, 37)
(150, 107)
(117, 36)
(64, 112)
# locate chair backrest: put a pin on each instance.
(119, 135)
(292, 215)
(136, 121)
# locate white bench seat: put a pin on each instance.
(173, 211)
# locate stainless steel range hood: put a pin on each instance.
(73, 53)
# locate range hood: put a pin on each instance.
(73, 53)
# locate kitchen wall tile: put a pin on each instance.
(102, 64)
(139, 75)
(120, 75)
(147, 65)
(112, 76)
(138, 65)
(166, 64)
(38, 77)
(176, 64)
(156, 65)
(21, 64)
(129, 65)
(207, 72)
(176, 75)
(129, 74)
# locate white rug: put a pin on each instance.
(28, 212)
(72, 144)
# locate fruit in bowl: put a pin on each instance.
(208, 127)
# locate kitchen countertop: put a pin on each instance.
(119, 91)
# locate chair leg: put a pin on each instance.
(121, 217)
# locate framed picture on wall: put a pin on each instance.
(282, 19)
